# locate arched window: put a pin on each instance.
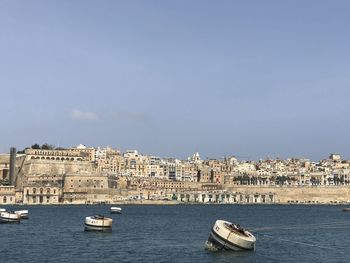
(48, 190)
(34, 190)
(41, 190)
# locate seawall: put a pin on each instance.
(299, 194)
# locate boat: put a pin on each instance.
(116, 210)
(227, 236)
(2, 210)
(346, 209)
(9, 217)
(22, 213)
(98, 223)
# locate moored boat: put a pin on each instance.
(116, 210)
(2, 210)
(23, 214)
(227, 236)
(346, 209)
(98, 223)
(9, 217)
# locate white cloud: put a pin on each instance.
(83, 115)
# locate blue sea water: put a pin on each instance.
(175, 233)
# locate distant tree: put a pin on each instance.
(35, 146)
(47, 146)
(22, 151)
(60, 148)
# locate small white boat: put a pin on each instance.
(346, 209)
(23, 214)
(228, 236)
(116, 210)
(2, 210)
(9, 217)
(98, 223)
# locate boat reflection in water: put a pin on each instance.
(227, 236)
(98, 223)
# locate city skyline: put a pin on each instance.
(254, 79)
(103, 149)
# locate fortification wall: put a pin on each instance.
(53, 167)
(33, 168)
(301, 194)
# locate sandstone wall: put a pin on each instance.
(289, 194)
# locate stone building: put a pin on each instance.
(7, 195)
(56, 155)
(4, 168)
(82, 150)
(41, 195)
(83, 188)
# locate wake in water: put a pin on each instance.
(210, 246)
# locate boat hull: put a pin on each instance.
(98, 223)
(23, 214)
(224, 238)
(6, 217)
(116, 210)
(97, 228)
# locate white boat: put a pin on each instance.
(9, 217)
(116, 210)
(98, 223)
(228, 236)
(2, 210)
(22, 213)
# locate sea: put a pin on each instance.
(177, 233)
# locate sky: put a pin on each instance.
(253, 79)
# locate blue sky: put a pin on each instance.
(169, 78)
